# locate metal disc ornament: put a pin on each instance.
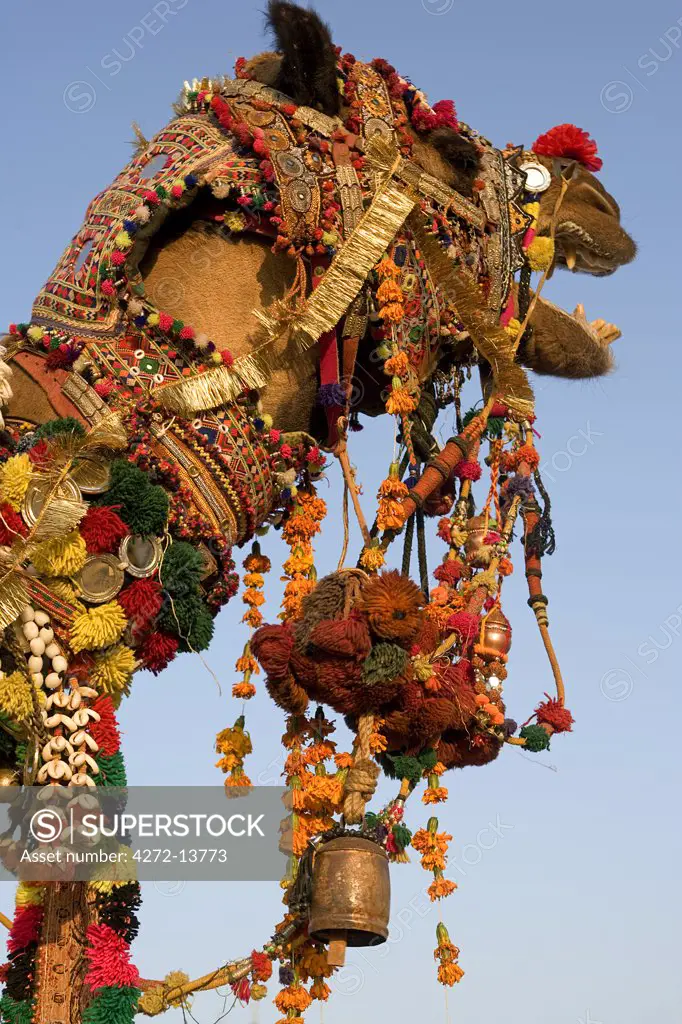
(538, 178)
(141, 556)
(38, 491)
(100, 579)
(93, 476)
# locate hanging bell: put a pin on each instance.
(351, 895)
(497, 632)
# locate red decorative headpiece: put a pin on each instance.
(566, 140)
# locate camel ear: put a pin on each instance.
(308, 69)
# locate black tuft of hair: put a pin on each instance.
(308, 71)
(461, 154)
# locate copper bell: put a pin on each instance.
(497, 632)
(477, 553)
(351, 895)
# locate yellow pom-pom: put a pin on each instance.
(16, 698)
(540, 253)
(36, 333)
(153, 319)
(234, 221)
(61, 556)
(267, 421)
(152, 1002)
(216, 358)
(66, 590)
(112, 671)
(533, 210)
(98, 627)
(513, 327)
(29, 894)
(123, 240)
(16, 474)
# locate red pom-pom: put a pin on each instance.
(105, 732)
(109, 959)
(104, 387)
(165, 321)
(570, 142)
(552, 712)
(446, 113)
(498, 410)
(108, 287)
(25, 928)
(151, 198)
(11, 525)
(467, 471)
(118, 258)
(466, 624)
(141, 602)
(242, 989)
(450, 571)
(227, 357)
(187, 333)
(157, 651)
(176, 191)
(102, 529)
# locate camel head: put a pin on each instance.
(589, 237)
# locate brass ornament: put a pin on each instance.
(39, 489)
(477, 553)
(497, 632)
(100, 579)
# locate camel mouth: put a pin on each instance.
(579, 252)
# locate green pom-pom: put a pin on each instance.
(428, 759)
(113, 1005)
(65, 425)
(177, 326)
(189, 619)
(383, 663)
(112, 770)
(161, 192)
(495, 426)
(181, 569)
(468, 416)
(402, 767)
(536, 738)
(371, 820)
(144, 507)
(402, 836)
(14, 1011)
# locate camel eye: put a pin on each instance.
(538, 178)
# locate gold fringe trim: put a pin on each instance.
(214, 387)
(490, 339)
(61, 515)
(348, 272)
(13, 599)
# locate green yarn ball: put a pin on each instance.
(181, 569)
(14, 1011)
(112, 770)
(144, 506)
(402, 767)
(189, 619)
(428, 759)
(536, 738)
(65, 425)
(113, 1005)
(383, 663)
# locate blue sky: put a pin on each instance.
(567, 863)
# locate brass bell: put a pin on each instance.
(351, 895)
(477, 553)
(497, 632)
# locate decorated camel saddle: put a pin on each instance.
(305, 243)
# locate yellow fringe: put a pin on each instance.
(98, 627)
(491, 340)
(16, 699)
(29, 894)
(14, 481)
(112, 671)
(61, 556)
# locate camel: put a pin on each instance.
(265, 192)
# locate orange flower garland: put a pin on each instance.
(255, 564)
(234, 744)
(301, 526)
